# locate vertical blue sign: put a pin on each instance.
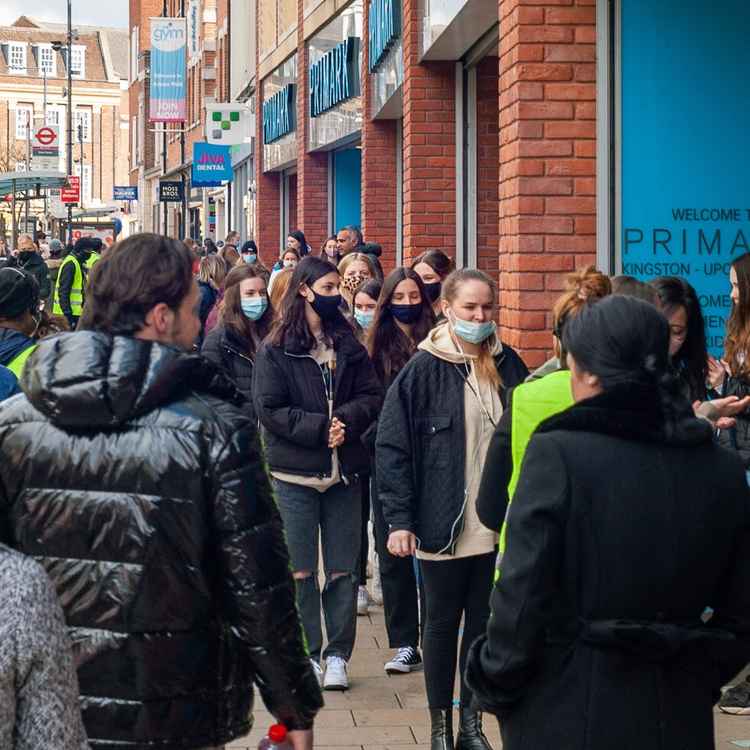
(279, 116)
(335, 77)
(167, 102)
(383, 28)
(685, 186)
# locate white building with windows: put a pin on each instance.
(33, 93)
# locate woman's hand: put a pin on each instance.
(336, 434)
(722, 411)
(301, 739)
(717, 371)
(402, 543)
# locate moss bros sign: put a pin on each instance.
(278, 114)
(335, 77)
(384, 27)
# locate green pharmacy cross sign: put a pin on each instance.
(334, 78)
(223, 121)
(278, 114)
(384, 27)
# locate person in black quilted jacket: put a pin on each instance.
(133, 475)
(433, 434)
(244, 321)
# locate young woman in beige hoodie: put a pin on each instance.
(436, 424)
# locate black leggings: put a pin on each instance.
(453, 588)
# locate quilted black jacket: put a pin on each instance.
(222, 347)
(420, 449)
(290, 400)
(131, 476)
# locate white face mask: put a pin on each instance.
(289, 263)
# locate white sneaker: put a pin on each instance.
(336, 677)
(363, 601)
(318, 671)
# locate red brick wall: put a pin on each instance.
(488, 167)
(378, 171)
(292, 183)
(267, 210)
(429, 146)
(547, 160)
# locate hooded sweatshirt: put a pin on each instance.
(482, 411)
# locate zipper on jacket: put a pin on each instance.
(326, 391)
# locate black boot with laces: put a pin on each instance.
(470, 734)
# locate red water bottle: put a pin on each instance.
(276, 739)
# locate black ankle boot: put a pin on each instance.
(470, 735)
(441, 736)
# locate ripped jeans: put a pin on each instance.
(334, 516)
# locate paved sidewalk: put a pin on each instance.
(389, 713)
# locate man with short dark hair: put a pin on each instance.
(132, 474)
(348, 240)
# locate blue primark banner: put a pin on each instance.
(384, 27)
(335, 77)
(685, 185)
(279, 114)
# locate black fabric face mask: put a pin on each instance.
(327, 307)
(433, 290)
(406, 314)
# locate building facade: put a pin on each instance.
(527, 139)
(33, 86)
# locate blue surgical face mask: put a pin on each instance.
(471, 332)
(249, 257)
(364, 317)
(254, 307)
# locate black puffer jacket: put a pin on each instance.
(132, 477)
(290, 400)
(226, 350)
(33, 264)
(421, 446)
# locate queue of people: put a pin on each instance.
(570, 543)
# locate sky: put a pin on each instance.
(85, 12)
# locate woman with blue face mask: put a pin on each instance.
(249, 252)
(365, 301)
(433, 434)
(244, 320)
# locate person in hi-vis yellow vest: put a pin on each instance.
(19, 318)
(70, 287)
(545, 393)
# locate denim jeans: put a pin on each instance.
(334, 516)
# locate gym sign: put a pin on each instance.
(384, 27)
(278, 114)
(334, 78)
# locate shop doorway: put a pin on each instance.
(347, 184)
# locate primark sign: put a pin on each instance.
(384, 27)
(278, 114)
(335, 77)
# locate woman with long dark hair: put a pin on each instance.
(403, 317)
(245, 318)
(365, 303)
(316, 393)
(296, 241)
(687, 336)
(433, 267)
(330, 251)
(622, 603)
(433, 434)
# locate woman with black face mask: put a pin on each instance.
(433, 268)
(403, 318)
(316, 393)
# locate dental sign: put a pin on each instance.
(334, 78)
(211, 164)
(684, 168)
(278, 114)
(384, 27)
(168, 70)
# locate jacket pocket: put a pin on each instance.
(434, 435)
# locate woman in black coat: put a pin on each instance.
(316, 394)
(244, 321)
(622, 605)
(433, 434)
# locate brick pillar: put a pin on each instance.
(378, 168)
(312, 169)
(429, 211)
(488, 167)
(547, 161)
(267, 209)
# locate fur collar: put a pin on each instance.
(632, 412)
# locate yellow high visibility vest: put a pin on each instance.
(93, 258)
(76, 291)
(532, 403)
(17, 363)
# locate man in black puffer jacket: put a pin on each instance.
(131, 474)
